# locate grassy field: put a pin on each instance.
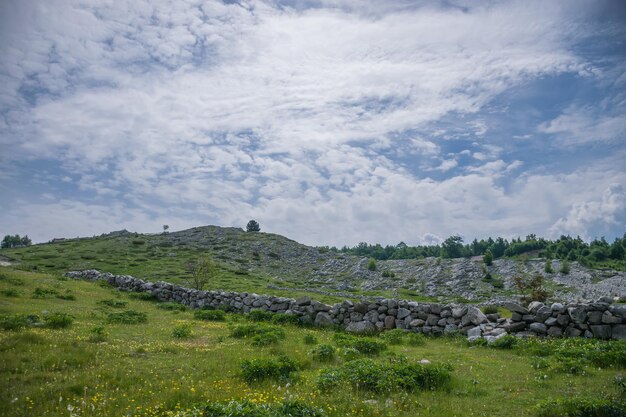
(169, 362)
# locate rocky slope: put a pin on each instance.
(446, 279)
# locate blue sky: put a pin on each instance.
(331, 121)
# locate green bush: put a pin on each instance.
(365, 346)
(548, 267)
(10, 292)
(323, 353)
(113, 303)
(505, 342)
(488, 257)
(98, 334)
(564, 268)
(67, 296)
(582, 407)
(182, 331)
(171, 306)
(247, 408)
(58, 320)
(491, 309)
(13, 321)
(45, 292)
(416, 339)
(210, 315)
(385, 377)
(266, 339)
(128, 317)
(259, 315)
(371, 264)
(309, 339)
(144, 296)
(286, 319)
(281, 368)
(394, 336)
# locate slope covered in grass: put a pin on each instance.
(122, 355)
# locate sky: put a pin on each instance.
(331, 122)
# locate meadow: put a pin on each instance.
(79, 348)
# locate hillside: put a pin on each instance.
(79, 348)
(265, 262)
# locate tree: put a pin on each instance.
(452, 247)
(488, 257)
(165, 228)
(15, 241)
(548, 266)
(371, 265)
(203, 270)
(531, 288)
(253, 226)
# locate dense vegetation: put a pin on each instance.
(103, 352)
(598, 252)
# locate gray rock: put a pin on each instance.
(323, 319)
(594, 317)
(475, 331)
(572, 332)
(450, 329)
(417, 323)
(555, 331)
(493, 317)
(361, 327)
(551, 321)
(602, 331)
(361, 308)
(538, 328)
(563, 319)
(515, 327)
(515, 308)
(619, 331)
(534, 306)
(474, 316)
(403, 312)
(543, 313)
(608, 318)
(458, 312)
(390, 322)
(556, 307)
(303, 301)
(577, 314)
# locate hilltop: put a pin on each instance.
(265, 262)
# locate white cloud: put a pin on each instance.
(581, 125)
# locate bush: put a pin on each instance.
(393, 337)
(564, 268)
(505, 342)
(582, 407)
(113, 303)
(13, 321)
(45, 292)
(171, 306)
(10, 292)
(365, 346)
(58, 320)
(416, 339)
(128, 317)
(210, 315)
(259, 315)
(67, 296)
(389, 274)
(532, 288)
(251, 330)
(548, 267)
(371, 264)
(309, 339)
(247, 408)
(397, 374)
(144, 296)
(182, 331)
(490, 309)
(488, 257)
(280, 368)
(286, 319)
(266, 339)
(98, 334)
(323, 353)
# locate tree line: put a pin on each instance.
(564, 248)
(15, 241)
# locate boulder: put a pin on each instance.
(515, 327)
(556, 307)
(534, 306)
(417, 323)
(361, 308)
(403, 312)
(551, 321)
(619, 331)
(303, 301)
(555, 331)
(450, 329)
(577, 314)
(515, 308)
(475, 331)
(538, 328)
(361, 327)
(543, 313)
(390, 322)
(594, 317)
(323, 319)
(474, 316)
(602, 331)
(608, 318)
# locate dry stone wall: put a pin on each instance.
(599, 320)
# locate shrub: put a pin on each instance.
(44, 292)
(564, 268)
(98, 334)
(128, 317)
(247, 408)
(505, 342)
(250, 330)
(280, 368)
(309, 339)
(366, 346)
(416, 339)
(58, 320)
(548, 267)
(210, 315)
(259, 315)
(385, 377)
(393, 337)
(113, 303)
(389, 274)
(582, 407)
(497, 283)
(491, 309)
(266, 339)
(67, 296)
(182, 331)
(144, 296)
(323, 353)
(10, 292)
(171, 306)
(488, 257)
(371, 264)
(13, 321)
(532, 288)
(286, 319)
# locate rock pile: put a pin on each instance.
(600, 320)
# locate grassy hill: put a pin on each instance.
(71, 348)
(269, 263)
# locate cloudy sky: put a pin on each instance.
(328, 121)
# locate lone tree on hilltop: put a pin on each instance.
(253, 226)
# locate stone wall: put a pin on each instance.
(600, 320)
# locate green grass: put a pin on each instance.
(97, 368)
